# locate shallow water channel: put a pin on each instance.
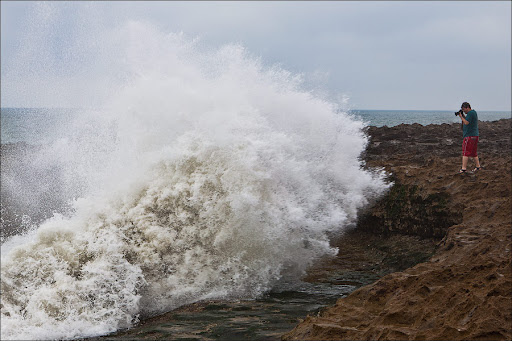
(362, 260)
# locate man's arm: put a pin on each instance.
(466, 122)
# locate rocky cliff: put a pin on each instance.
(465, 290)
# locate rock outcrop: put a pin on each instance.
(464, 291)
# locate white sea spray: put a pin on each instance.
(204, 175)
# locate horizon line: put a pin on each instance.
(353, 109)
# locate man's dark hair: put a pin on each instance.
(465, 105)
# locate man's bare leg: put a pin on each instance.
(464, 162)
(477, 162)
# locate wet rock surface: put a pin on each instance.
(406, 209)
(464, 291)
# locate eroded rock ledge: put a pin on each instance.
(465, 290)
(407, 209)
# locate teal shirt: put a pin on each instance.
(470, 129)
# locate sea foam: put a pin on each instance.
(203, 175)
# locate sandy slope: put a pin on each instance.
(465, 290)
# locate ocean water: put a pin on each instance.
(393, 118)
(203, 176)
(45, 125)
(185, 210)
(35, 126)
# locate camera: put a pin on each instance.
(459, 112)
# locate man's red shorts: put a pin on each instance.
(469, 146)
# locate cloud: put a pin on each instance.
(388, 55)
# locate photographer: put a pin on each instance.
(469, 119)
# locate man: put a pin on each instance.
(470, 137)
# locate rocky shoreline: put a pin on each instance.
(464, 291)
(439, 241)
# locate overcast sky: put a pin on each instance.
(428, 55)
